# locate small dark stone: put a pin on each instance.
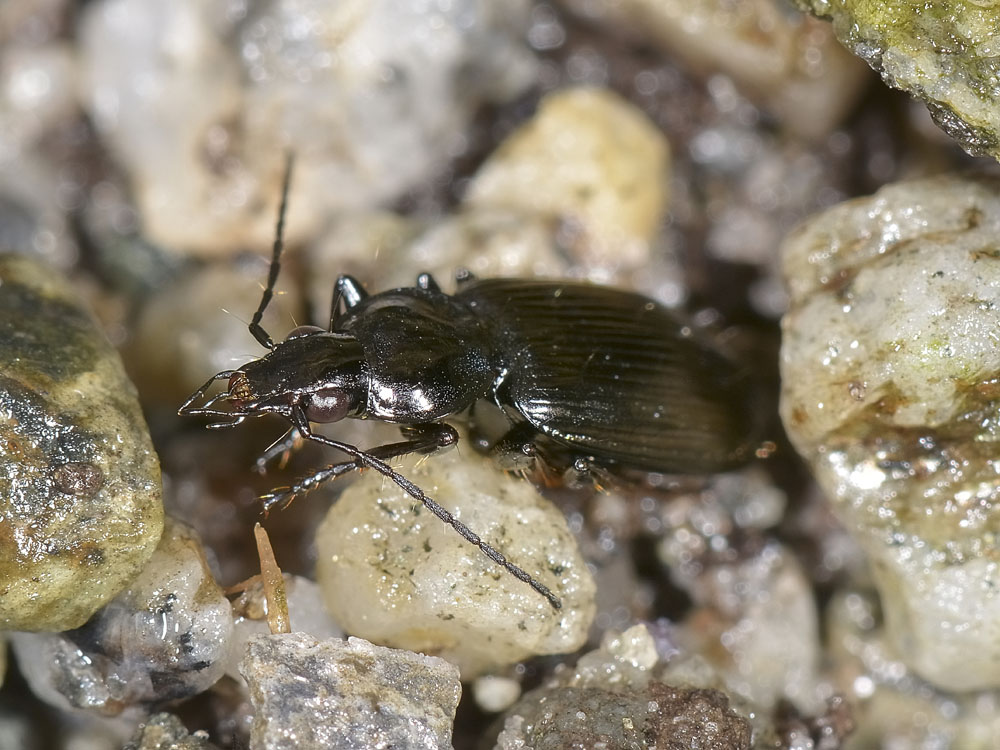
(78, 478)
(659, 715)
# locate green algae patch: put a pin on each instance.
(946, 54)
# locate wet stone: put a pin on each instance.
(305, 611)
(80, 495)
(887, 696)
(755, 621)
(395, 574)
(314, 695)
(889, 390)
(165, 731)
(754, 613)
(163, 638)
(494, 694)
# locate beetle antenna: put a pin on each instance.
(302, 424)
(272, 275)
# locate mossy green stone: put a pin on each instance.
(80, 494)
(945, 53)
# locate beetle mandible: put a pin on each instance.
(591, 377)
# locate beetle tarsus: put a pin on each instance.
(464, 277)
(188, 408)
(278, 497)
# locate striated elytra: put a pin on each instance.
(590, 378)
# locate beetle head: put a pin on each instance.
(321, 372)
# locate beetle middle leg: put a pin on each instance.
(372, 460)
(515, 450)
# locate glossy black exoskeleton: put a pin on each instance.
(592, 377)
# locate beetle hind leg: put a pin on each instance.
(516, 450)
(464, 277)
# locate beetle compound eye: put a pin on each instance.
(328, 405)
(303, 331)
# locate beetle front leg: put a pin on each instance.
(424, 438)
(283, 446)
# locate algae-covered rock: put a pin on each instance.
(80, 495)
(944, 53)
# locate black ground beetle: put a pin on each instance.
(590, 379)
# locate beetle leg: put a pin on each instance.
(371, 460)
(515, 451)
(283, 447)
(427, 282)
(464, 276)
(424, 438)
(427, 437)
(272, 275)
(348, 291)
(580, 473)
